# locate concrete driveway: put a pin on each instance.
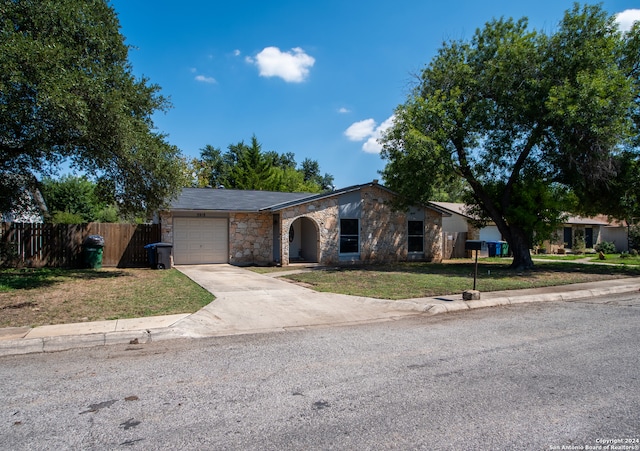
(247, 302)
(250, 302)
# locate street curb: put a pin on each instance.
(68, 342)
(430, 308)
(425, 306)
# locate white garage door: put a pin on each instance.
(490, 233)
(200, 240)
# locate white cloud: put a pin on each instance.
(369, 132)
(292, 66)
(360, 130)
(344, 110)
(236, 52)
(626, 18)
(203, 79)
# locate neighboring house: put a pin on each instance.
(457, 228)
(354, 224)
(616, 232)
(592, 229)
(29, 206)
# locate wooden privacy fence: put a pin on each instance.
(453, 245)
(60, 245)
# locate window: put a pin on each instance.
(349, 236)
(416, 236)
(568, 237)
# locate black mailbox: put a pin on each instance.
(475, 245)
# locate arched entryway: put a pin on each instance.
(303, 241)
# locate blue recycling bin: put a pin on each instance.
(492, 246)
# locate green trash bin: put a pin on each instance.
(92, 251)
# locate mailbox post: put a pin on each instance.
(477, 246)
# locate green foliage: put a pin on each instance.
(252, 169)
(634, 236)
(606, 247)
(77, 200)
(107, 214)
(71, 197)
(579, 244)
(67, 92)
(533, 123)
(247, 167)
(66, 217)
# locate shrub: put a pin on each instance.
(606, 247)
(579, 244)
(634, 236)
(66, 217)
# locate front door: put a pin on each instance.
(568, 237)
(588, 238)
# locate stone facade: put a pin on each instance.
(324, 214)
(251, 238)
(383, 231)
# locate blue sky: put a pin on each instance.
(319, 79)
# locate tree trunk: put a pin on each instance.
(519, 245)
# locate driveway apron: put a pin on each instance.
(248, 302)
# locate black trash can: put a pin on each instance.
(92, 250)
(159, 255)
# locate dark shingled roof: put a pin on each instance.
(232, 199)
(254, 201)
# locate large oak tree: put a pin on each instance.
(67, 94)
(535, 123)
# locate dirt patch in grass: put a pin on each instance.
(57, 296)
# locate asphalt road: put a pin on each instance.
(534, 377)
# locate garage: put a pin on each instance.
(490, 233)
(200, 240)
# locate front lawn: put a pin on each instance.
(413, 280)
(34, 297)
(619, 259)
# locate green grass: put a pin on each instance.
(617, 259)
(565, 257)
(56, 296)
(413, 280)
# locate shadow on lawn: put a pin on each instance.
(497, 268)
(26, 279)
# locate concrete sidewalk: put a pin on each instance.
(247, 302)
